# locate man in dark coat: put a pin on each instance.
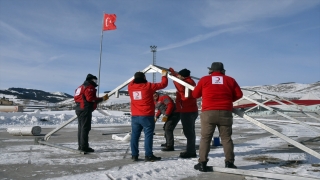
(86, 102)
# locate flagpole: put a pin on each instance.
(100, 52)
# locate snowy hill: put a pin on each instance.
(290, 90)
(23, 95)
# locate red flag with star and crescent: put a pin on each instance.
(108, 22)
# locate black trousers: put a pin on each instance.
(169, 126)
(188, 120)
(84, 126)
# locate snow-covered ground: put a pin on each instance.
(255, 154)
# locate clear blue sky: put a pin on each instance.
(52, 45)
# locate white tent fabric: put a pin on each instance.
(125, 138)
(309, 96)
(24, 131)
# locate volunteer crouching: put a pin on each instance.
(86, 102)
(166, 106)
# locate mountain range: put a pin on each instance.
(287, 90)
(22, 94)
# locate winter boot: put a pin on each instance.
(164, 145)
(201, 166)
(168, 148)
(88, 149)
(134, 158)
(230, 165)
(188, 155)
(152, 158)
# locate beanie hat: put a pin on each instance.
(184, 72)
(216, 66)
(90, 77)
(139, 75)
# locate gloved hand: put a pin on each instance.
(105, 97)
(164, 72)
(171, 70)
(164, 118)
(155, 119)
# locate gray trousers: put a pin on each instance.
(169, 127)
(188, 120)
(209, 121)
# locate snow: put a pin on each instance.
(59, 93)
(262, 154)
(310, 96)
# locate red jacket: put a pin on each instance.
(218, 92)
(141, 95)
(185, 104)
(85, 97)
(165, 105)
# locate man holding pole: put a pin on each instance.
(86, 102)
(143, 111)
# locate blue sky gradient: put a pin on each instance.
(52, 45)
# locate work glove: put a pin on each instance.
(105, 97)
(164, 118)
(164, 72)
(171, 70)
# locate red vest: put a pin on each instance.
(85, 97)
(141, 96)
(185, 104)
(165, 105)
(218, 92)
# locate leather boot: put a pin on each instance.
(135, 158)
(201, 166)
(230, 165)
(188, 155)
(168, 148)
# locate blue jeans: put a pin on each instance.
(137, 124)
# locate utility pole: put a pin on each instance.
(154, 50)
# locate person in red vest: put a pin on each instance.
(86, 102)
(218, 93)
(187, 106)
(165, 106)
(142, 113)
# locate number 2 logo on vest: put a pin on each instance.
(137, 95)
(217, 80)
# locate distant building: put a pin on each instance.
(8, 106)
(122, 93)
(4, 101)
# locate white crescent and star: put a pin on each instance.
(106, 21)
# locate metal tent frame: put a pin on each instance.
(239, 112)
(271, 97)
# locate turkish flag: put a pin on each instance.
(108, 22)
